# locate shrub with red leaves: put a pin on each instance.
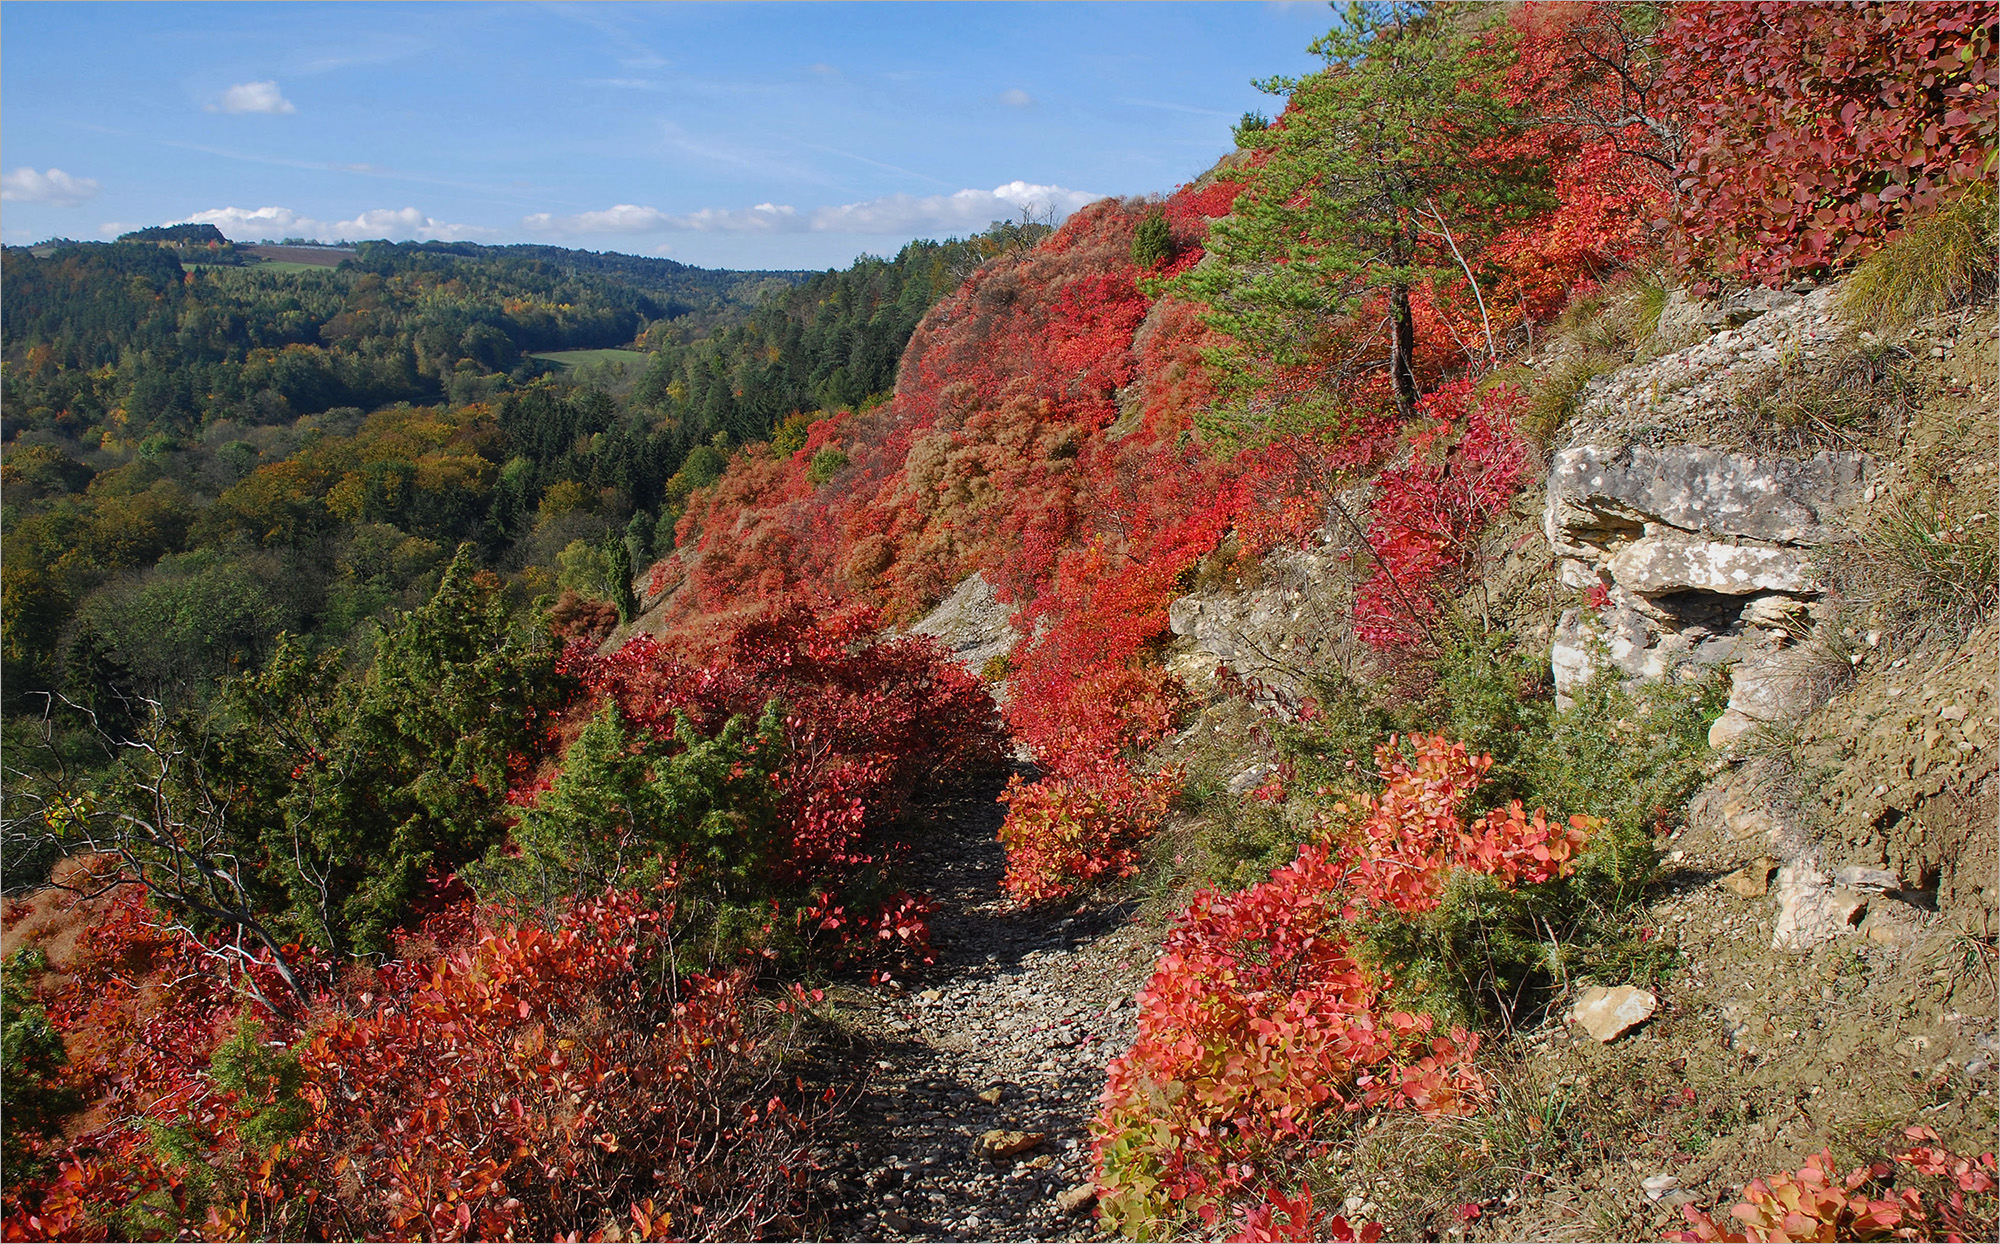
(1464, 466)
(1261, 1027)
(532, 1083)
(1817, 128)
(867, 722)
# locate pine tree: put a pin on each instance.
(1369, 170)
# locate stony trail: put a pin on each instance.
(1008, 1030)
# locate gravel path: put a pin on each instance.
(1008, 1031)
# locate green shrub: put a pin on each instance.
(31, 1062)
(1249, 131)
(1629, 757)
(1152, 242)
(1490, 954)
(621, 809)
(1632, 757)
(826, 464)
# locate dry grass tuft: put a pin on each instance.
(1937, 263)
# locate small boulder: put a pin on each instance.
(1869, 880)
(1812, 909)
(991, 1096)
(1076, 1200)
(1608, 1014)
(1000, 1144)
(1753, 880)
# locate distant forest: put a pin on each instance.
(201, 455)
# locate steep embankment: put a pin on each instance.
(1796, 514)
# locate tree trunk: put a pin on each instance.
(1402, 350)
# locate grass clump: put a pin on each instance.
(1863, 388)
(1593, 336)
(1927, 563)
(1937, 263)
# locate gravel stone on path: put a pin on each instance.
(1033, 1003)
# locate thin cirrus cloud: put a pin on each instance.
(254, 97)
(395, 224)
(1015, 97)
(54, 187)
(892, 214)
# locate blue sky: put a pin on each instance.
(725, 135)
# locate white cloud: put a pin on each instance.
(964, 210)
(396, 224)
(253, 97)
(1015, 97)
(55, 187)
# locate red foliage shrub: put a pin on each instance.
(1816, 128)
(531, 1084)
(1260, 1028)
(1464, 466)
(868, 722)
(1943, 1196)
(1065, 832)
(1283, 1217)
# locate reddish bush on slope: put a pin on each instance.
(1261, 1028)
(1942, 1196)
(1464, 466)
(1815, 128)
(532, 1083)
(867, 722)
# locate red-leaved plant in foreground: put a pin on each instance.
(1261, 1030)
(530, 1083)
(1927, 1192)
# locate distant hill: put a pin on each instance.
(177, 235)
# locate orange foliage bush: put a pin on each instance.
(1260, 1029)
(1953, 1200)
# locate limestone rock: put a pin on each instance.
(972, 623)
(1672, 562)
(1759, 694)
(1597, 491)
(1001, 1143)
(1869, 880)
(991, 1096)
(1607, 1014)
(1811, 909)
(1251, 778)
(1076, 1200)
(1753, 880)
(1266, 630)
(1747, 820)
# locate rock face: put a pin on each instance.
(972, 623)
(1695, 557)
(1269, 632)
